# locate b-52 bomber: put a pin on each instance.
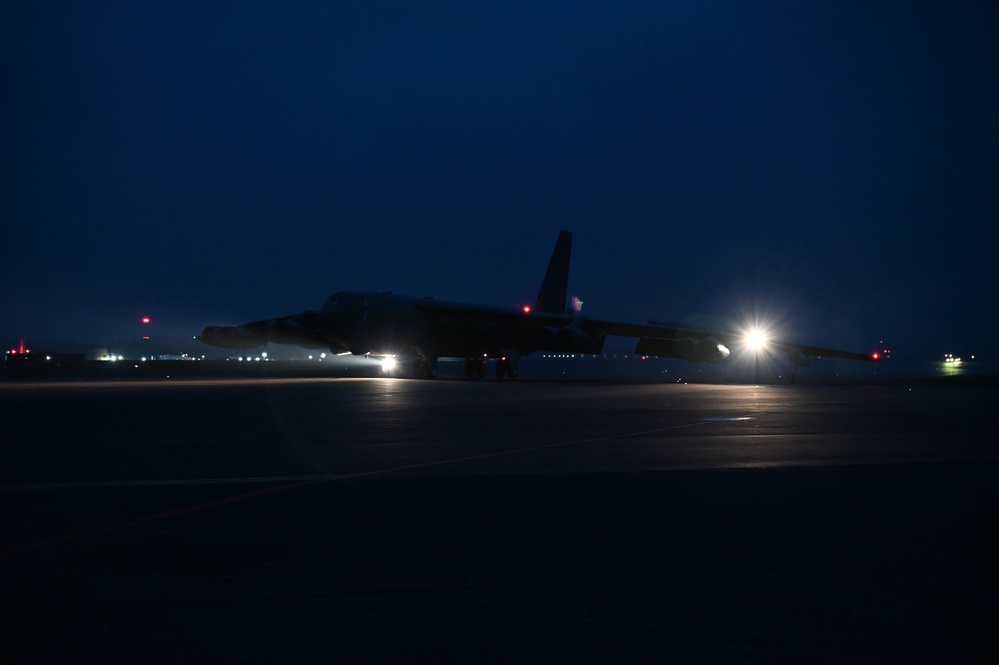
(418, 331)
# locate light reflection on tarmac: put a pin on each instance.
(274, 429)
(383, 519)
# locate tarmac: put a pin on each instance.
(388, 520)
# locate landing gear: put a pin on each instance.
(414, 365)
(475, 368)
(426, 367)
(506, 367)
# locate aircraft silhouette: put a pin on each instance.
(421, 330)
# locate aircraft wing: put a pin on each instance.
(819, 352)
(381, 323)
(672, 340)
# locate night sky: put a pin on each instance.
(832, 166)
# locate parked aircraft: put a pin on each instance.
(421, 330)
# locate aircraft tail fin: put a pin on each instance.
(555, 287)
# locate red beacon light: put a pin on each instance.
(146, 320)
(527, 309)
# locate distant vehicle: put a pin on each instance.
(417, 331)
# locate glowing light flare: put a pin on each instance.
(527, 309)
(389, 364)
(756, 339)
(146, 320)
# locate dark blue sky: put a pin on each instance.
(834, 165)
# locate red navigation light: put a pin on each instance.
(875, 356)
(145, 320)
(527, 309)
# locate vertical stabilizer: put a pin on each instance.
(555, 287)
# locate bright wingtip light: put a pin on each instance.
(756, 339)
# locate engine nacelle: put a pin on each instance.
(706, 350)
(568, 339)
(546, 338)
(571, 339)
(296, 331)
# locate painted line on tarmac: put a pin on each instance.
(258, 480)
(288, 483)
